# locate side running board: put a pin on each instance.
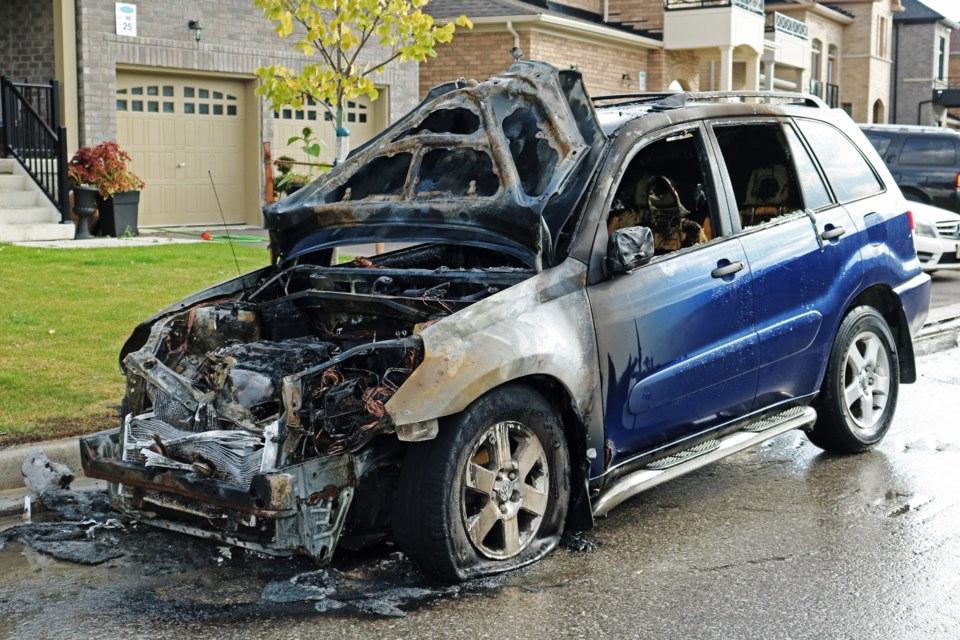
(701, 455)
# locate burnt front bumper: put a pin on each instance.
(297, 509)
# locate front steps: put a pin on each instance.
(25, 212)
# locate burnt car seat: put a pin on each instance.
(769, 195)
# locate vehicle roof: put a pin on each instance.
(615, 111)
(908, 128)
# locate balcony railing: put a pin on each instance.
(829, 93)
(779, 22)
(754, 6)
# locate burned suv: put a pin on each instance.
(593, 297)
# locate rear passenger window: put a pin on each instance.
(880, 142)
(929, 150)
(764, 179)
(848, 172)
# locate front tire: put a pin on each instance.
(859, 393)
(490, 492)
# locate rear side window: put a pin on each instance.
(764, 180)
(929, 150)
(879, 141)
(847, 171)
(815, 193)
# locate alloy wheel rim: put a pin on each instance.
(866, 382)
(505, 490)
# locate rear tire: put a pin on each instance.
(859, 393)
(489, 493)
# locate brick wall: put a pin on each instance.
(643, 14)
(236, 39)
(26, 40)
(602, 66)
(916, 58)
(475, 55)
(480, 54)
(664, 67)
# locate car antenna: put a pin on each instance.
(222, 218)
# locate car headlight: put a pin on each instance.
(924, 229)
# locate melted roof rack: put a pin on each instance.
(677, 100)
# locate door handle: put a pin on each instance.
(727, 270)
(830, 234)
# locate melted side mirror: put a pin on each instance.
(628, 249)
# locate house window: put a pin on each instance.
(816, 49)
(832, 75)
(882, 37)
(941, 56)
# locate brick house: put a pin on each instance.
(921, 42)
(840, 50)
(185, 106)
(180, 105)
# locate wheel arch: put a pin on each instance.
(575, 428)
(882, 298)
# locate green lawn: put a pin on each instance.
(67, 312)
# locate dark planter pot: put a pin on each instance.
(84, 206)
(118, 215)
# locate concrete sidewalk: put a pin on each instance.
(940, 332)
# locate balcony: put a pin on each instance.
(707, 24)
(829, 93)
(777, 22)
(789, 39)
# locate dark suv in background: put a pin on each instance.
(924, 161)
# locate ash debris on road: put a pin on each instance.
(195, 579)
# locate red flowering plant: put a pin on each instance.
(104, 167)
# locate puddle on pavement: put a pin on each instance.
(190, 578)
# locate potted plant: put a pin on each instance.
(103, 169)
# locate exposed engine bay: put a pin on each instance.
(211, 380)
(296, 368)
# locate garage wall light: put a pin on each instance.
(197, 29)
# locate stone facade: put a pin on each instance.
(866, 61)
(917, 46)
(236, 40)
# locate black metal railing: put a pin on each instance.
(777, 21)
(829, 93)
(32, 134)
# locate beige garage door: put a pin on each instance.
(362, 118)
(179, 128)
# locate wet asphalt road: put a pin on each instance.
(946, 288)
(777, 542)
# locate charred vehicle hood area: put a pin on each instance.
(583, 303)
(250, 408)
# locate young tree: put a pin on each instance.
(335, 33)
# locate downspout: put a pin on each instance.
(516, 36)
(606, 10)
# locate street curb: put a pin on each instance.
(939, 333)
(65, 451)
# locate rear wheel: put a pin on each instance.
(490, 493)
(859, 393)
